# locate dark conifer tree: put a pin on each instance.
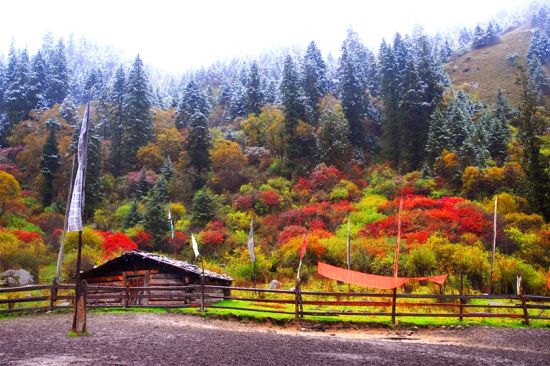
(531, 127)
(58, 76)
(537, 77)
(193, 100)
(156, 211)
(116, 116)
(94, 171)
(438, 136)
(237, 103)
(137, 129)
(353, 86)
(134, 217)
(314, 81)
(478, 39)
(142, 186)
(203, 208)
(197, 146)
(391, 93)
(292, 97)
(254, 96)
(15, 93)
(36, 94)
(49, 163)
(464, 38)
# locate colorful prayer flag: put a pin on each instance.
(195, 246)
(251, 242)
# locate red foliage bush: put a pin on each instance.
(291, 232)
(451, 216)
(325, 177)
(143, 240)
(27, 236)
(270, 198)
(116, 243)
(214, 233)
(243, 202)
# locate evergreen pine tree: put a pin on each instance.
(254, 97)
(193, 100)
(292, 98)
(197, 147)
(36, 93)
(156, 211)
(58, 76)
(167, 169)
(479, 37)
(134, 217)
(237, 103)
(116, 115)
(68, 111)
(49, 163)
(531, 127)
(142, 186)
(537, 77)
(137, 128)
(438, 136)
(464, 39)
(15, 93)
(414, 127)
(334, 145)
(94, 171)
(353, 86)
(314, 80)
(203, 208)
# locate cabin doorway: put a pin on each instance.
(135, 297)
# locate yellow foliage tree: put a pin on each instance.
(9, 189)
(150, 157)
(228, 161)
(267, 130)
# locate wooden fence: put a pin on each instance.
(295, 302)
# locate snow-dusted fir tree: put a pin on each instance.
(117, 92)
(50, 162)
(192, 100)
(36, 93)
(438, 136)
(237, 103)
(137, 128)
(539, 47)
(333, 133)
(58, 76)
(15, 93)
(314, 81)
(197, 146)
(254, 95)
(352, 86)
(68, 111)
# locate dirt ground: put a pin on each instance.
(176, 339)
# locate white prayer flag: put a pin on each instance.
(195, 246)
(251, 242)
(77, 198)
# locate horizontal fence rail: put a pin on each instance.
(301, 304)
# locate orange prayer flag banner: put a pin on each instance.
(370, 280)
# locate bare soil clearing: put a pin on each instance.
(175, 339)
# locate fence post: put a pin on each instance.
(202, 293)
(79, 322)
(461, 293)
(524, 306)
(394, 306)
(298, 309)
(127, 297)
(53, 294)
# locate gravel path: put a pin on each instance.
(175, 339)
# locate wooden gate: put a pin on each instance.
(135, 296)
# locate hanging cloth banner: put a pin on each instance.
(370, 280)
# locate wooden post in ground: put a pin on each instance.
(524, 305)
(53, 294)
(394, 306)
(79, 321)
(79, 316)
(461, 293)
(202, 285)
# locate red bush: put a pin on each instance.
(291, 232)
(270, 198)
(325, 177)
(26, 236)
(243, 202)
(214, 233)
(143, 240)
(116, 243)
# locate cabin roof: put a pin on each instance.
(137, 258)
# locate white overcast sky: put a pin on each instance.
(178, 35)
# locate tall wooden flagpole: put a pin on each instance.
(75, 219)
(396, 260)
(494, 246)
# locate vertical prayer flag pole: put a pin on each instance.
(396, 260)
(250, 245)
(171, 227)
(494, 246)
(348, 246)
(398, 244)
(74, 221)
(195, 247)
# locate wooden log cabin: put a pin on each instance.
(142, 269)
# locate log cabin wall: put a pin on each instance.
(152, 278)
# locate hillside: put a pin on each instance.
(482, 71)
